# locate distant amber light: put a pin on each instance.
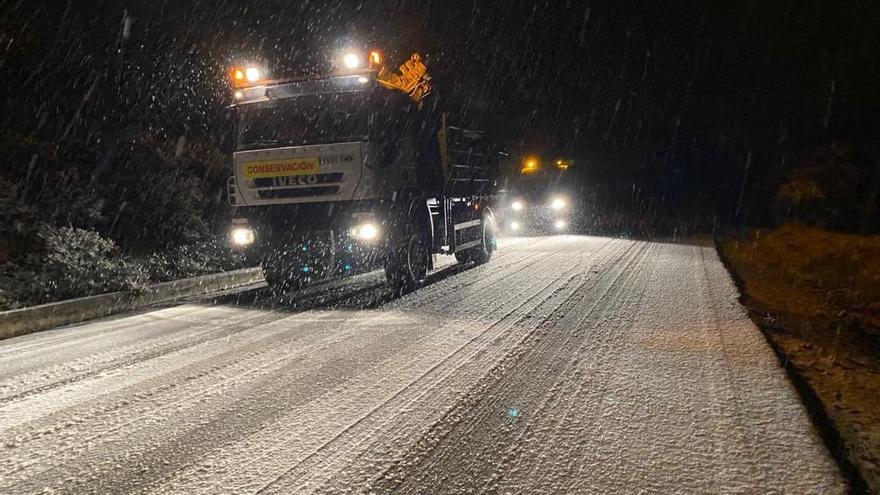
(530, 165)
(375, 57)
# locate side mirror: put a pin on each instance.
(226, 141)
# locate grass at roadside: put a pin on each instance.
(816, 294)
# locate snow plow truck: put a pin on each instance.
(355, 170)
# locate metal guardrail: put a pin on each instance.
(47, 316)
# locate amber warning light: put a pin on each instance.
(243, 77)
(530, 165)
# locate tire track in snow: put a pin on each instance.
(122, 362)
(33, 349)
(86, 422)
(395, 366)
(483, 413)
(425, 394)
(175, 335)
(153, 411)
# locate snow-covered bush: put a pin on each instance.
(7, 300)
(80, 262)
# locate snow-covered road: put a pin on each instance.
(566, 365)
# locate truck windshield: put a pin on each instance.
(540, 183)
(313, 119)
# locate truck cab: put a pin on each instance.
(539, 200)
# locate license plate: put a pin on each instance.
(280, 167)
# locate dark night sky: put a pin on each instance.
(660, 103)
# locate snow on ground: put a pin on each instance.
(566, 365)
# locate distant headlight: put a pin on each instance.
(252, 74)
(514, 226)
(242, 236)
(558, 204)
(365, 232)
(516, 205)
(560, 225)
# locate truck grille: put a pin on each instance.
(299, 186)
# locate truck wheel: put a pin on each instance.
(407, 265)
(483, 252)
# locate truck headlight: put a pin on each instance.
(351, 60)
(367, 231)
(242, 236)
(558, 204)
(517, 205)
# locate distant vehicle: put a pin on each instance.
(539, 200)
(356, 170)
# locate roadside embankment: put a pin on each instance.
(816, 295)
